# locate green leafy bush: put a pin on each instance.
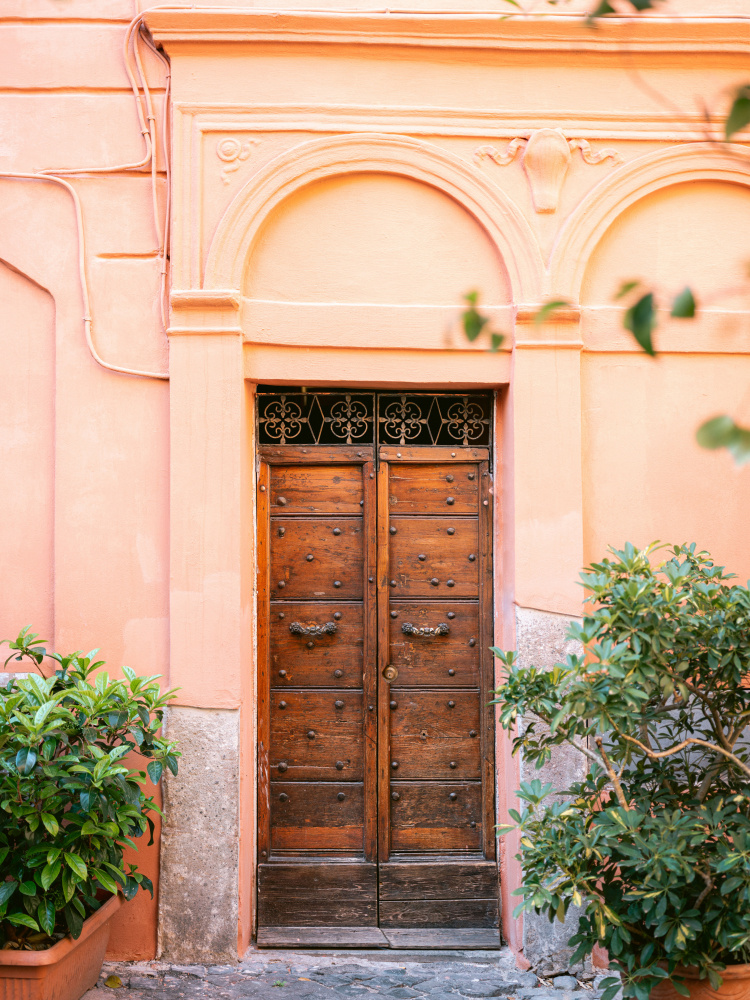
(654, 843)
(68, 801)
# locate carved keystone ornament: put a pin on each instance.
(546, 158)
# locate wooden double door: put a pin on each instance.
(376, 742)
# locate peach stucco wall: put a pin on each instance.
(330, 208)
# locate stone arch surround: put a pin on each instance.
(609, 200)
(304, 164)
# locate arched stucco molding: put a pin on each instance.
(302, 165)
(697, 161)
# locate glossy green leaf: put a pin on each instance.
(154, 769)
(50, 823)
(640, 319)
(7, 889)
(739, 113)
(22, 920)
(25, 760)
(76, 865)
(683, 306)
(45, 915)
(548, 309)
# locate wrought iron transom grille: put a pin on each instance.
(298, 417)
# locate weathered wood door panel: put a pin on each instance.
(375, 738)
(434, 734)
(451, 659)
(317, 804)
(319, 734)
(312, 818)
(317, 557)
(309, 656)
(433, 557)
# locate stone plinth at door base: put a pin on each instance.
(199, 874)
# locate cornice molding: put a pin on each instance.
(449, 121)
(481, 30)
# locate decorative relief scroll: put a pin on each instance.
(232, 152)
(546, 158)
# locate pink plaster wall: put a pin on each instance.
(83, 452)
(352, 279)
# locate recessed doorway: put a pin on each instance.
(376, 741)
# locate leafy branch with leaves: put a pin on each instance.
(654, 842)
(69, 802)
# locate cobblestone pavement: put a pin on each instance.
(282, 975)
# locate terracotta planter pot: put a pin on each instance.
(736, 986)
(63, 972)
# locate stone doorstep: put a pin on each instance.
(317, 974)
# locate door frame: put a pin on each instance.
(492, 597)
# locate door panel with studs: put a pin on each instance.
(433, 557)
(452, 659)
(314, 644)
(436, 735)
(317, 684)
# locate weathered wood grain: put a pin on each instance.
(337, 564)
(314, 731)
(321, 937)
(313, 661)
(317, 893)
(433, 489)
(449, 879)
(470, 938)
(451, 660)
(316, 489)
(431, 739)
(425, 818)
(311, 817)
(439, 913)
(447, 569)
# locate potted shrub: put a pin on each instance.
(654, 842)
(69, 803)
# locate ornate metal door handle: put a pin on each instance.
(297, 628)
(441, 629)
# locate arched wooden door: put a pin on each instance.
(376, 784)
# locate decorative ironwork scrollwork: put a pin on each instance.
(466, 422)
(350, 417)
(283, 420)
(297, 628)
(402, 420)
(408, 629)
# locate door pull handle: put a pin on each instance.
(442, 629)
(297, 628)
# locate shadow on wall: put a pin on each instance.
(27, 442)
